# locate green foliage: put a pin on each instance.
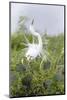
(27, 78)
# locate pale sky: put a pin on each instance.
(46, 17)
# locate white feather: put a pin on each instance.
(34, 49)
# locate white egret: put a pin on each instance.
(34, 49)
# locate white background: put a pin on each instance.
(4, 50)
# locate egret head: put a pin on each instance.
(32, 21)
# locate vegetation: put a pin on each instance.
(26, 77)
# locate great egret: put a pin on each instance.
(34, 49)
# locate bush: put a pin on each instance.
(28, 79)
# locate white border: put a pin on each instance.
(4, 49)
